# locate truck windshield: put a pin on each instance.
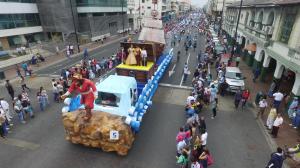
(107, 99)
(234, 75)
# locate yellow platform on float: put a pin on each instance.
(135, 67)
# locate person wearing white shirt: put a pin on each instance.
(204, 138)
(278, 96)
(262, 107)
(189, 99)
(5, 106)
(277, 123)
(180, 146)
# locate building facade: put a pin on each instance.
(269, 39)
(30, 21)
(19, 23)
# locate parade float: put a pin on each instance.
(121, 100)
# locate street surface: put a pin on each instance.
(234, 138)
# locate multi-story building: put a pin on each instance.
(184, 6)
(175, 7)
(138, 10)
(19, 23)
(269, 35)
(29, 21)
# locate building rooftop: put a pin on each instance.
(260, 3)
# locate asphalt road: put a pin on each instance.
(234, 138)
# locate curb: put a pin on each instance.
(2, 82)
(272, 144)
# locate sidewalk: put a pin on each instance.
(10, 72)
(287, 135)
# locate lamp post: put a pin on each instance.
(236, 28)
(74, 26)
(122, 2)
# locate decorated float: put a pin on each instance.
(120, 101)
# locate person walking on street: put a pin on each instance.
(19, 109)
(277, 159)
(271, 118)
(263, 104)
(10, 89)
(278, 97)
(186, 72)
(245, 97)
(5, 107)
(237, 98)
(237, 61)
(276, 125)
(214, 106)
(256, 74)
(293, 107)
(23, 84)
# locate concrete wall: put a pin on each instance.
(99, 25)
(56, 15)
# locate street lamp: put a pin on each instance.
(122, 2)
(236, 28)
(74, 26)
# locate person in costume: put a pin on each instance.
(131, 60)
(144, 57)
(88, 92)
(138, 55)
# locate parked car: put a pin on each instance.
(235, 79)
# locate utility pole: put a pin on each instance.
(74, 26)
(140, 19)
(236, 28)
(122, 1)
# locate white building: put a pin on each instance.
(140, 9)
(269, 35)
(19, 24)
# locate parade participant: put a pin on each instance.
(144, 57)
(88, 92)
(138, 56)
(131, 60)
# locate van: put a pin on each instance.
(235, 79)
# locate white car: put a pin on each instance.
(234, 78)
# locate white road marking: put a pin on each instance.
(172, 71)
(175, 86)
(187, 62)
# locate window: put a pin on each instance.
(143, 1)
(10, 21)
(287, 27)
(149, 7)
(107, 99)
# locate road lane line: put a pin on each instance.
(175, 86)
(20, 143)
(187, 62)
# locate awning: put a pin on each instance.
(250, 47)
(153, 23)
(152, 35)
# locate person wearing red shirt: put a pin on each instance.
(245, 97)
(88, 92)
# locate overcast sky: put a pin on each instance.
(199, 2)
